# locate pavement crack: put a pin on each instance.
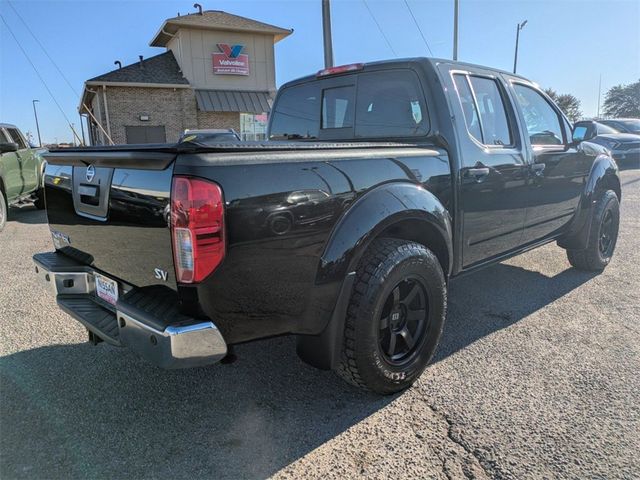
(469, 462)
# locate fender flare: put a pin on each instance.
(373, 213)
(370, 215)
(603, 176)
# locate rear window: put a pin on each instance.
(297, 113)
(390, 104)
(337, 107)
(376, 105)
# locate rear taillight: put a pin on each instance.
(197, 227)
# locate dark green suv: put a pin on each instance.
(21, 169)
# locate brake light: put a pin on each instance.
(341, 69)
(197, 227)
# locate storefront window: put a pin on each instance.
(253, 127)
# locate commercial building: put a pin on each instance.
(218, 71)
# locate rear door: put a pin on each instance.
(493, 169)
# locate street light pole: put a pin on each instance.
(519, 27)
(326, 34)
(455, 29)
(33, 102)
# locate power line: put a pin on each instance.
(380, 28)
(419, 29)
(43, 49)
(88, 110)
(40, 77)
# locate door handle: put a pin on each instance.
(538, 169)
(477, 173)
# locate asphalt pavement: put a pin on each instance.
(536, 377)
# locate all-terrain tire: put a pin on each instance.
(390, 264)
(602, 237)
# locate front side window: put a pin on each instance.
(337, 107)
(493, 116)
(390, 104)
(296, 113)
(542, 121)
(16, 138)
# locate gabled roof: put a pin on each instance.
(215, 20)
(162, 68)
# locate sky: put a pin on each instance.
(566, 45)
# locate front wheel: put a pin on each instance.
(3, 210)
(395, 316)
(602, 237)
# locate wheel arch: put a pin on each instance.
(399, 210)
(602, 177)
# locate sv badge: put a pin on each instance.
(160, 274)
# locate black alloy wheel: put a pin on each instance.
(403, 321)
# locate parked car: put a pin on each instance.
(623, 125)
(21, 170)
(211, 136)
(396, 177)
(625, 147)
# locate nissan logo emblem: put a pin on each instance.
(91, 172)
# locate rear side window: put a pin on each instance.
(542, 121)
(337, 107)
(296, 113)
(484, 110)
(16, 138)
(471, 117)
(390, 104)
(493, 116)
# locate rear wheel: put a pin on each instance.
(602, 237)
(395, 316)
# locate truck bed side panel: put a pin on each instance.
(279, 214)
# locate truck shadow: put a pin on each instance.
(28, 214)
(72, 411)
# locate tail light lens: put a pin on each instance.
(197, 224)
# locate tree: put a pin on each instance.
(623, 101)
(568, 103)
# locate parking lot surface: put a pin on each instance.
(536, 377)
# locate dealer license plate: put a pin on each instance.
(106, 289)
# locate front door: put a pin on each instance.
(28, 162)
(493, 172)
(559, 170)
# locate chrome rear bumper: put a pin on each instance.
(165, 337)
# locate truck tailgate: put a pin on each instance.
(112, 211)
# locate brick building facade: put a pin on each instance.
(190, 85)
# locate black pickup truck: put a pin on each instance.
(379, 184)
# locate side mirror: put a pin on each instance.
(581, 133)
(8, 147)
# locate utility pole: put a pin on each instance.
(84, 142)
(599, 94)
(33, 102)
(519, 27)
(326, 34)
(455, 29)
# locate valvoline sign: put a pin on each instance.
(230, 60)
